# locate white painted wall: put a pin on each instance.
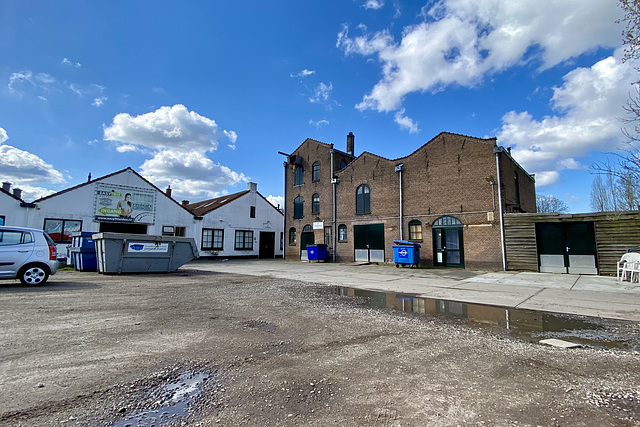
(78, 203)
(13, 213)
(235, 215)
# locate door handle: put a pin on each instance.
(568, 248)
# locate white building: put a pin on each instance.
(243, 224)
(125, 202)
(13, 210)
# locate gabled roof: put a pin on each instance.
(312, 140)
(202, 208)
(8, 193)
(109, 176)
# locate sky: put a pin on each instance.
(201, 95)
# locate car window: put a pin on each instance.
(49, 240)
(26, 237)
(10, 237)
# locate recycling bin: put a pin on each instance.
(317, 252)
(83, 251)
(406, 253)
(119, 253)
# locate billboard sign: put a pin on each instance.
(120, 203)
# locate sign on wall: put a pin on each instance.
(120, 203)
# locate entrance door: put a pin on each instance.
(448, 249)
(567, 248)
(306, 238)
(368, 241)
(267, 245)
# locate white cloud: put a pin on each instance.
(276, 201)
(406, 122)
(588, 106)
(3, 136)
(190, 174)
(303, 73)
(66, 61)
(321, 93)
(319, 123)
(99, 102)
(24, 168)
(179, 141)
(373, 4)
(461, 42)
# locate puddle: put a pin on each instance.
(529, 325)
(175, 403)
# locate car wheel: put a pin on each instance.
(33, 275)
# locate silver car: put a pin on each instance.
(27, 254)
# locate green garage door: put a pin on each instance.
(568, 247)
(369, 242)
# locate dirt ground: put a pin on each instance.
(94, 350)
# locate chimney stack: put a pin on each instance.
(17, 193)
(185, 202)
(168, 191)
(351, 141)
(6, 186)
(252, 187)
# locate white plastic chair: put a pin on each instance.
(629, 266)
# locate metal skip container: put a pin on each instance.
(119, 253)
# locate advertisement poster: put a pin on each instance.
(147, 247)
(120, 203)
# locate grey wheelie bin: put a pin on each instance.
(138, 253)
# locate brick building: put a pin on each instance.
(448, 195)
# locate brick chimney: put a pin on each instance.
(351, 141)
(6, 186)
(252, 187)
(168, 191)
(185, 202)
(17, 193)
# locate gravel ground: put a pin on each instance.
(95, 350)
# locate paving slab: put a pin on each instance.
(599, 296)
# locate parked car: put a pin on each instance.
(27, 254)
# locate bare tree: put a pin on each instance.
(548, 204)
(601, 198)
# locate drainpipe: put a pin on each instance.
(334, 182)
(285, 234)
(399, 169)
(499, 150)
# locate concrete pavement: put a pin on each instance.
(598, 296)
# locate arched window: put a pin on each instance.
(447, 221)
(315, 171)
(292, 236)
(315, 204)
(415, 230)
(363, 204)
(298, 208)
(343, 164)
(342, 233)
(299, 177)
(307, 229)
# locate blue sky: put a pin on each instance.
(201, 95)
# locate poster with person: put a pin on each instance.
(121, 203)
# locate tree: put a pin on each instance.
(548, 204)
(601, 198)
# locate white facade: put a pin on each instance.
(11, 210)
(127, 203)
(235, 221)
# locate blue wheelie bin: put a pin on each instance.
(406, 253)
(83, 250)
(317, 252)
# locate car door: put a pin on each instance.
(16, 247)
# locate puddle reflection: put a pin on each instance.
(530, 325)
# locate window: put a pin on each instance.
(212, 238)
(517, 187)
(415, 230)
(292, 236)
(298, 208)
(362, 199)
(328, 237)
(60, 229)
(343, 164)
(252, 212)
(1, 219)
(315, 204)
(307, 229)
(299, 176)
(244, 240)
(170, 230)
(11, 237)
(315, 171)
(342, 233)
